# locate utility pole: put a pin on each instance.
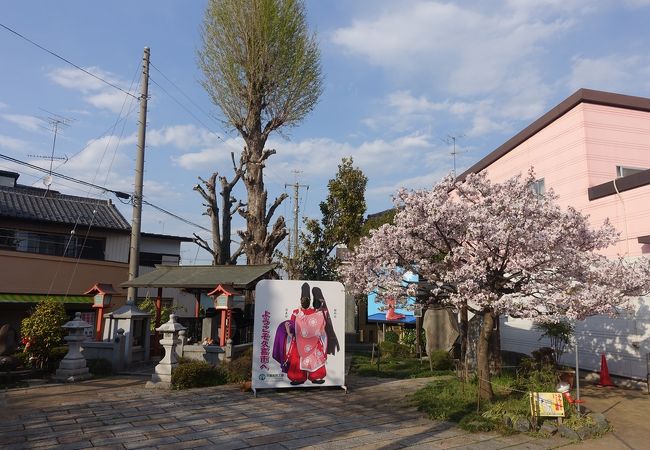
(296, 209)
(134, 251)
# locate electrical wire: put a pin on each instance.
(144, 202)
(67, 61)
(179, 90)
(119, 194)
(185, 108)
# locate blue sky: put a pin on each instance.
(400, 79)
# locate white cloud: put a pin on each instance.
(94, 91)
(3, 105)
(29, 123)
(617, 73)
(11, 143)
(182, 136)
(467, 50)
(209, 159)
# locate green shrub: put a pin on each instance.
(55, 357)
(409, 338)
(391, 336)
(240, 368)
(394, 350)
(197, 374)
(23, 359)
(42, 330)
(100, 367)
(441, 360)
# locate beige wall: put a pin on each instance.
(28, 273)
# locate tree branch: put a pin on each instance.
(273, 207)
(203, 244)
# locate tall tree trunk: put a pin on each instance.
(483, 356)
(256, 206)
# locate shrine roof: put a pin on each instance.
(203, 277)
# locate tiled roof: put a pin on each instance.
(202, 277)
(35, 204)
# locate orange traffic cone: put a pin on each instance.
(605, 379)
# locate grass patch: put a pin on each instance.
(400, 366)
(452, 400)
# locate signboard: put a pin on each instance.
(548, 404)
(383, 309)
(299, 334)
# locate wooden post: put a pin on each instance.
(198, 304)
(158, 306)
(229, 326)
(222, 329)
(98, 323)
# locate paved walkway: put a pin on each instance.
(628, 412)
(118, 412)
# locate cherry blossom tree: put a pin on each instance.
(497, 248)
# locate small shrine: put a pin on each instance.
(224, 301)
(102, 295)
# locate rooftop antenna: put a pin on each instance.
(451, 139)
(57, 122)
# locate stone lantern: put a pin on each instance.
(162, 377)
(73, 365)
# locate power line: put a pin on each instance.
(180, 90)
(185, 108)
(66, 60)
(144, 202)
(119, 194)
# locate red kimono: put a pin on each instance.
(307, 354)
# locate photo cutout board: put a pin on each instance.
(299, 334)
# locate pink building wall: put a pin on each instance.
(581, 149)
(576, 146)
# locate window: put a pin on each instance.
(622, 171)
(148, 259)
(69, 245)
(538, 187)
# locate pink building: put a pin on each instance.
(593, 150)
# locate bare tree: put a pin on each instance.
(221, 232)
(262, 69)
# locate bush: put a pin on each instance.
(441, 360)
(42, 330)
(100, 367)
(394, 350)
(240, 368)
(23, 359)
(391, 336)
(55, 357)
(197, 374)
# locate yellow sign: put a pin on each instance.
(549, 404)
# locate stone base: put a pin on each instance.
(158, 385)
(70, 376)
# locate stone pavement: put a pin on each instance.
(628, 412)
(118, 412)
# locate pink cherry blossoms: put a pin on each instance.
(497, 248)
